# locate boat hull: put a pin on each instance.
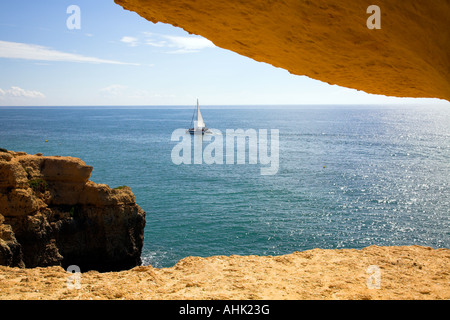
(198, 131)
(203, 131)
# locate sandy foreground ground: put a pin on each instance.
(410, 272)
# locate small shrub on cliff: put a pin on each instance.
(72, 212)
(38, 185)
(120, 187)
(3, 150)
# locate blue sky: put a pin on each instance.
(119, 58)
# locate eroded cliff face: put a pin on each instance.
(51, 214)
(327, 40)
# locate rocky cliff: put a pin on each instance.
(327, 40)
(51, 214)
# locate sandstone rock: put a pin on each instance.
(36, 237)
(5, 156)
(51, 214)
(100, 194)
(10, 249)
(104, 242)
(66, 169)
(20, 202)
(327, 40)
(12, 174)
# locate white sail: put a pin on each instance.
(200, 122)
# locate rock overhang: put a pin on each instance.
(409, 56)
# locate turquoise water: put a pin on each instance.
(349, 176)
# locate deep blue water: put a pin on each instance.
(348, 177)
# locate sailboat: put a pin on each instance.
(199, 125)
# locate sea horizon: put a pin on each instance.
(440, 104)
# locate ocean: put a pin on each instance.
(347, 176)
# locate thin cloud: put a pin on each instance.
(171, 44)
(19, 93)
(119, 93)
(131, 41)
(114, 90)
(17, 50)
(188, 44)
(159, 44)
